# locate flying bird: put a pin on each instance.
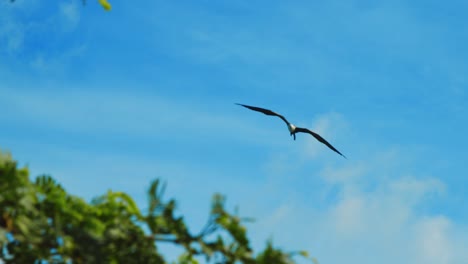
(292, 128)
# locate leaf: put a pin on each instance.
(3, 236)
(105, 4)
(131, 206)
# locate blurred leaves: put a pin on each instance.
(104, 3)
(40, 221)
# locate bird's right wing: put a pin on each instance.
(264, 111)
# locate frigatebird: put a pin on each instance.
(292, 128)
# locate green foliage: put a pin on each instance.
(40, 221)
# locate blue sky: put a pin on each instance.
(111, 100)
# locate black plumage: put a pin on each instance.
(293, 129)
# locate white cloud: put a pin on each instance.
(330, 126)
(433, 242)
(11, 35)
(25, 36)
(372, 208)
(347, 217)
(56, 64)
(13, 31)
(374, 217)
(345, 174)
(70, 14)
(130, 114)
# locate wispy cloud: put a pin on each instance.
(365, 207)
(133, 115)
(70, 13)
(44, 63)
(24, 42)
(373, 208)
(11, 35)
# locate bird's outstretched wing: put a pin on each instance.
(319, 138)
(265, 111)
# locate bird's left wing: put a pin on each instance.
(319, 138)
